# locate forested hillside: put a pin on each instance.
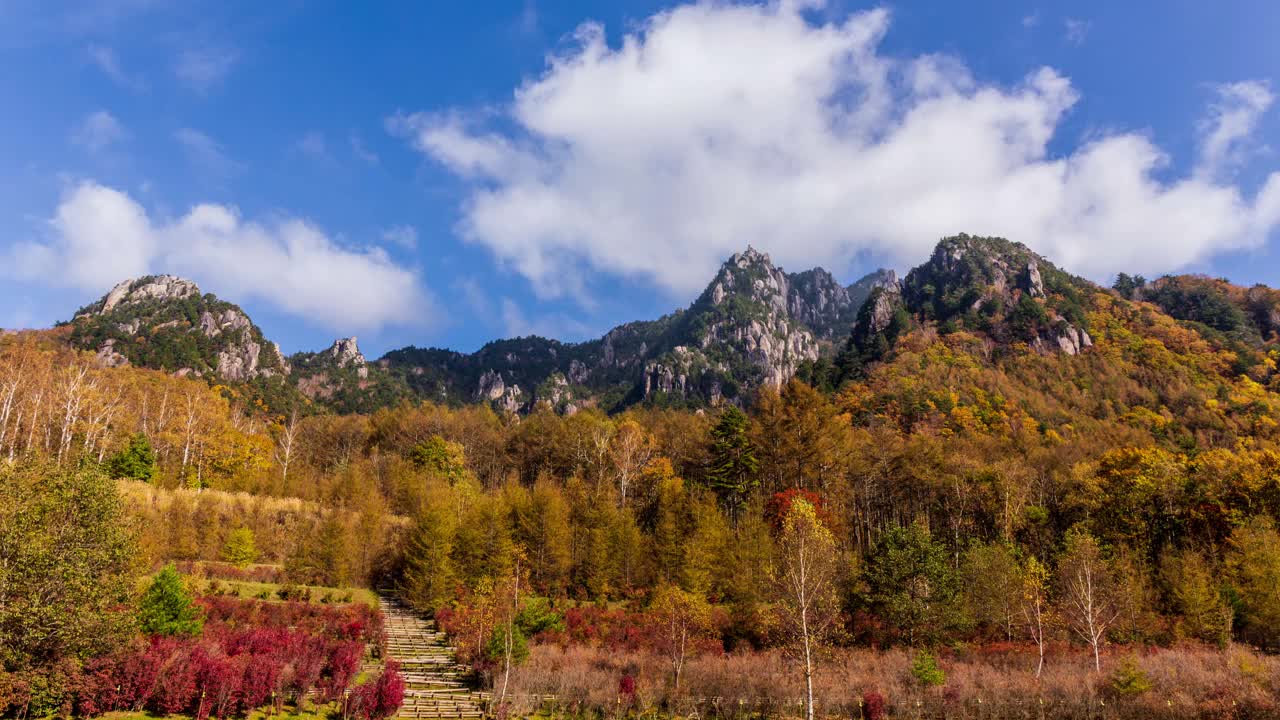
(997, 473)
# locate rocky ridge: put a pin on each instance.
(754, 325)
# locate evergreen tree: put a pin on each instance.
(167, 608)
(240, 548)
(732, 473)
(913, 586)
(137, 461)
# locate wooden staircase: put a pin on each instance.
(434, 681)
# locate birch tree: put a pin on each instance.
(1086, 592)
(805, 586)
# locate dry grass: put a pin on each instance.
(1190, 682)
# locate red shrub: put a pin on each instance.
(873, 706)
(780, 504)
(379, 697)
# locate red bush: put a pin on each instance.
(873, 706)
(379, 697)
(780, 504)
(251, 654)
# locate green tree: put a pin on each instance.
(442, 456)
(994, 587)
(136, 461)
(429, 576)
(240, 549)
(167, 607)
(67, 564)
(733, 468)
(913, 586)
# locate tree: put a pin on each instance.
(1086, 591)
(66, 564)
(167, 607)
(805, 586)
(1254, 564)
(1036, 612)
(733, 468)
(1195, 595)
(137, 461)
(429, 576)
(240, 549)
(994, 584)
(912, 584)
(682, 618)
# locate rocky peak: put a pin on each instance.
(753, 277)
(1002, 289)
(150, 287)
(148, 321)
(345, 351)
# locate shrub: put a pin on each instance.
(925, 669)
(1129, 678)
(874, 706)
(381, 696)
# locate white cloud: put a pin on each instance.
(99, 131)
(203, 69)
(714, 126)
(1076, 30)
(206, 153)
(100, 235)
(1030, 21)
(402, 235)
(107, 61)
(1232, 120)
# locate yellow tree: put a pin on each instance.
(805, 585)
(683, 618)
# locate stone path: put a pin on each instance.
(434, 686)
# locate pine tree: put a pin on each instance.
(732, 473)
(167, 608)
(137, 461)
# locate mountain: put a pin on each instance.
(753, 325)
(166, 323)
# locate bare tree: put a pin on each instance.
(805, 583)
(284, 446)
(1087, 592)
(631, 451)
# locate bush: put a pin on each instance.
(379, 697)
(874, 706)
(925, 669)
(1129, 679)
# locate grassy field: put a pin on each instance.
(271, 591)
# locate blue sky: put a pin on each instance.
(448, 173)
